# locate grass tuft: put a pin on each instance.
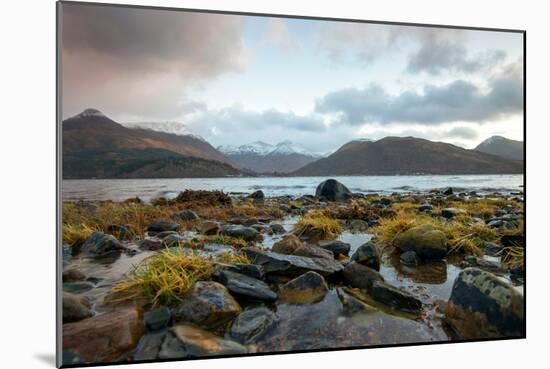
(318, 226)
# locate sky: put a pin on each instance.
(237, 79)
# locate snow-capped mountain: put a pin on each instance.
(175, 128)
(261, 157)
(503, 147)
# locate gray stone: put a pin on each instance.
(243, 232)
(75, 308)
(452, 212)
(157, 319)
(162, 225)
(367, 254)
(252, 324)
(394, 297)
(245, 286)
(308, 288)
(360, 276)
(101, 244)
(187, 215)
(338, 248)
(332, 190)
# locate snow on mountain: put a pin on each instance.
(175, 128)
(263, 149)
(491, 140)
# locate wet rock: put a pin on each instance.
(245, 286)
(105, 337)
(251, 270)
(360, 276)
(209, 228)
(277, 228)
(491, 248)
(332, 190)
(291, 265)
(101, 244)
(447, 191)
(173, 240)
(257, 195)
(287, 245)
(162, 225)
(352, 305)
(313, 252)
(305, 289)
(73, 275)
(157, 319)
(452, 212)
(150, 244)
(425, 240)
(149, 346)
(338, 248)
(163, 235)
(425, 207)
(367, 254)
(185, 341)
(78, 286)
(482, 263)
(252, 324)
(483, 306)
(207, 304)
(75, 308)
(408, 258)
(394, 297)
(187, 215)
(243, 232)
(120, 232)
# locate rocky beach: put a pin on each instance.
(208, 273)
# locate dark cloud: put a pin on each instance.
(137, 61)
(438, 54)
(457, 101)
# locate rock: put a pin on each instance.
(496, 223)
(385, 201)
(163, 235)
(150, 244)
(447, 191)
(409, 258)
(257, 195)
(245, 286)
(162, 225)
(149, 346)
(105, 337)
(491, 248)
(308, 288)
(207, 304)
(75, 308)
(185, 341)
(360, 276)
(332, 190)
(101, 244)
(187, 215)
(338, 248)
(425, 240)
(452, 212)
(157, 319)
(277, 228)
(251, 270)
(78, 286)
(313, 252)
(394, 297)
(425, 207)
(513, 240)
(119, 231)
(291, 265)
(209, 228)
(358, 225)
(287, 245)
(352, 305)
(70, 357)
(367, 254)
(73, 275)
(243, 232)
(174, 240)
(483, 306)
(252, 324)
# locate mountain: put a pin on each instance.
(175, 128)
(503, 147)
(407, 155)
(96, 146)
(261, 157)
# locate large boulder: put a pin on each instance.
(106, 337)
(305, 289)
(75, 308)
(291, 265)
(332, 190)
(185, 341)
(245, 286)
(257, 195)
(162, 225)
(207, 304)
(427, 241)
(483, 306)
(394, 297)
(360, 276)
(239, 231)
(338, 248)
(252, 324)
(101, 244)
(368, 255)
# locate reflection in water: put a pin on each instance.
(429, 272)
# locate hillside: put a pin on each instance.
(503, 147)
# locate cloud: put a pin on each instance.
(277, 33)
(439, 53)
(462, 132)
(142, 61)
(457, 101)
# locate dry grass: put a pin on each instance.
(76, 234)
(164, 278)
(513, 256)
(318, 226)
